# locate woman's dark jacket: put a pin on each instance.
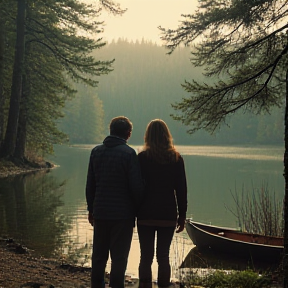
(114, 186)
(165, 196)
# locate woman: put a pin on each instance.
(165, 201)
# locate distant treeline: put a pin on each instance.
(84, 117)
(144, 84)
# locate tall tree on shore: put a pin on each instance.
(2, 57)
(243, 46)
(16, 88)
(60, 30)
(44, 94)
(7, 44)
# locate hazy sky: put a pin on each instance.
(144, 16)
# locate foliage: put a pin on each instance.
(48, 91)
(112, 7)
(259, 211)
(84, 117)
(243, 47)
(142, 85)
(146, 80)
(74, 254)
(237, 279)
(7, 39)
(63, 33)
(61, 49)
(59, 39)
(229, 279)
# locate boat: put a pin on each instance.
(235, 242)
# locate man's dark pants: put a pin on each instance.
(112, 236)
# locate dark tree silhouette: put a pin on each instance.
(243, 47)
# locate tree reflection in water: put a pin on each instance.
(29, 212)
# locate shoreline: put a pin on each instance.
(10, 169)
(18, 268)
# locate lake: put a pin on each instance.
(47, 211)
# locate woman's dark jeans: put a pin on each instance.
(147, 240)
(114, 237)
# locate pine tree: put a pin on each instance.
(243, 47)
(58, 31)
(9, 142)
(7, 43)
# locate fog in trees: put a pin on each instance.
(143, 85)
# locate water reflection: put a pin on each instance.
(28, 211)
(252, 153)
(209, 259)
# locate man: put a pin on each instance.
(114, 190)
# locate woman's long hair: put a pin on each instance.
(158, 142)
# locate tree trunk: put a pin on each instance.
(20, 145)
(285, 256)
(9, 143)
(2, 98)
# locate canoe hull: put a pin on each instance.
(209, 237)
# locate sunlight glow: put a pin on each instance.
(142, 18)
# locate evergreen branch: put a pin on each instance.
(113, 7)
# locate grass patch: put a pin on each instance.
(227, 279)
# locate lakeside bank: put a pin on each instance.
(9, 168)
(18, 268)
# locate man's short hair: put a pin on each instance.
(121, 126)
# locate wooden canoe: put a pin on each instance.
(235, 242)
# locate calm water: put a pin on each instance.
(47, 211)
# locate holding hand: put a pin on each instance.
(180, 225)
(90, 218)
